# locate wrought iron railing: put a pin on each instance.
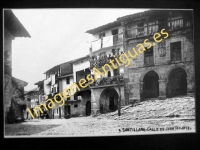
(108, 80)
(99, 61)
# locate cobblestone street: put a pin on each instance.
(89, 126)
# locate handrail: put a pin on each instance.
(154, 24)
(143, 27)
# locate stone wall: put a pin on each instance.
(8, 37)
(135, 73)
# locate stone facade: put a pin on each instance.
(162, 66)
(164, 69)
(12, 28)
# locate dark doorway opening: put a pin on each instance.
(108, 100)
(88, 108)
(151, 85)
(177, 83)
(68, 110)
(111, 103)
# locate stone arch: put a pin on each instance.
(176, 82)
(150, 85)
(108, 100)
(148, 70)
(166, 75)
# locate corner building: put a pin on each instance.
(107, 45)
(162, 71)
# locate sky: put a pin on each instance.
(57, 36)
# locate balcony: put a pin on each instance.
(108, 81)
(107, 41)
(173, 25)
(102, 59)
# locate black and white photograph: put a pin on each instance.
(82, 72)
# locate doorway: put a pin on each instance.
(151, 85)
(111, 103)
(69, 110)
(88, 108)
(177, 83)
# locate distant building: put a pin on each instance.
(60, 78)
(82, 106)
(65, 80)
(51, 88)
(32, 100)
(12, 28)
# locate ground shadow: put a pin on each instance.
(26, 129)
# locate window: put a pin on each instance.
(109, 74)
(115, 37)
(75, 97)
(57, 110)
(140, 29)
(114, 32)
(68, 98)
(75, 106)
(67, 80)
(148, 56)
(54, 90)
(175, 49)
(162, 24)
(79, 97)
(115, 72)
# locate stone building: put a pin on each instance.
(51, 88)
(41, 96)
(32, 100)
(81, 68)
(65, 80)
(166, 69)
(158, 68)
(12, 29)
(107, 44)
(66, 75)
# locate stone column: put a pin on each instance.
(190, 85)
(162, 89)
(94, 107)
(141, 91)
